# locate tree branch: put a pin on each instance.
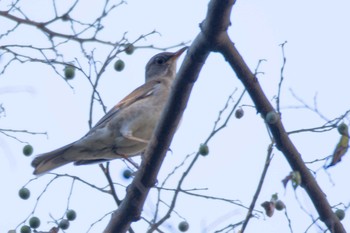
(283, 142)
(130, 210)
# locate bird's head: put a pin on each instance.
(163, 65)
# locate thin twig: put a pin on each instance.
(258, 189)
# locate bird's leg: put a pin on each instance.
(126, 158)
(129, 136)
(131, 161)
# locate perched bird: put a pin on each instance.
(126, 129)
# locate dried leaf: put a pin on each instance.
(269, 208)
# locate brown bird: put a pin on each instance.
(126, 129)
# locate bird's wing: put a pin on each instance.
(139, 93)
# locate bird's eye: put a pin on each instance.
(160, 60)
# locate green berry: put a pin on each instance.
(274, 197)
(279, 205)
(71, 215)
(69, 72)
(239, 113)
(183, 226)
(129, 49)
(127, 173)
(343, 129)
(119, 65)
(203, 149)
(65, 17)
(64, 224)
(296, 179)
(34, 222)
(27, 150)
(24, 193)
(25, 229)
(340, 214)
(272, 117)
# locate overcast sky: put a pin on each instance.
(317, 52)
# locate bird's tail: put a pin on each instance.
(50, 160)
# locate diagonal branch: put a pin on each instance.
(283, 142)
(130, 210)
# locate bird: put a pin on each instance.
(126, 129)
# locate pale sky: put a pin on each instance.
(317, 52)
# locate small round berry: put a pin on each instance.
(183, 226)
(239, 113)
(127, 173)
(280, 205)
(64, 224)
(69, 72)
(25, 229)
(274, 197)
(129, 49)
(71, 215)
(119, 65)
(203, 149)
(65, 17)
(27, 150)
(343, 129)
(34, 222)
(272, 117)
(296, 179)
(340, 214)
(24, 193)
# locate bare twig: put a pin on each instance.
(278, 99)
(258, 189)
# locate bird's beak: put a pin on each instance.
(178, 53)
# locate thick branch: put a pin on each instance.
(131, 207)
(283, 142)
